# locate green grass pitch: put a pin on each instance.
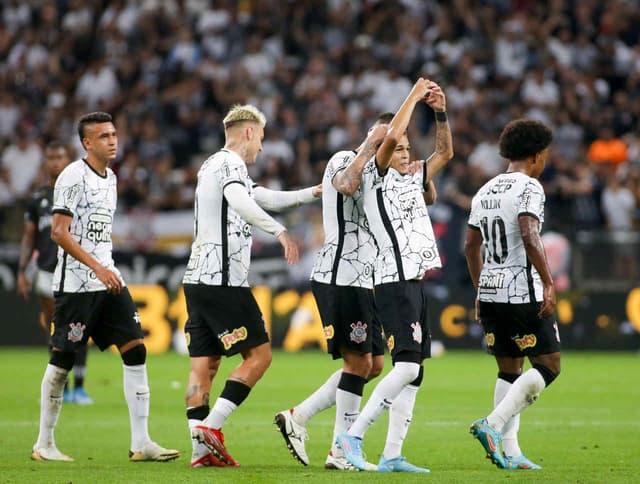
(585, 428)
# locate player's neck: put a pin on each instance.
(98, 166)
(238, 148)
(519, 167)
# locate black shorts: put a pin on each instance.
(349, 319)
(516, 330)
(402, 309)
(222, 320)
(107, 318)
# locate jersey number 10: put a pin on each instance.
(498, 235)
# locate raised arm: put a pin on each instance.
(399, 123)
(529, 229)
(348, 180)
(444, 143)
(278, 200)
(430, 194)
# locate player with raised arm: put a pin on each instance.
(342, 283)
(224, 318)
(515, 293)
(395, 206)
(91, 297)
(37, 236)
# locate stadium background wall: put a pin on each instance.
(587, 319)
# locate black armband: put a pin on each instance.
(441, 116)
(425, 183)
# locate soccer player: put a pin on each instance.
(91, 297)
(394, 203)
(37, 236)
(224, 318)
(515, 293)
(342, 283)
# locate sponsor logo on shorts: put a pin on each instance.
(136, 318)
(76, 332)
(358, 332)
(490, 338)
(328, 331)
(417, 332)
(527, 341)
(391, 343)
(229, 339)
(187, 338)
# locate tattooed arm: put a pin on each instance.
(444, 143)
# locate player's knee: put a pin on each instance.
(508, 377)
(135, 356)
(406, 371)
(357, 363)
(62, 359)
(377, 365)
(547, 374)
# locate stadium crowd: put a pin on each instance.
(322, 70)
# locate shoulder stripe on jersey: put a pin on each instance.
(231, 183)
(532, 292)
(528, 214)
(473, 227)
(225, 242)
(341, 227)
(63, 211)
(392, 235)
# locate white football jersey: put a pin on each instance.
(348, 254)
(400, 223)
(90, 198)
(221, 249)
(507, 274)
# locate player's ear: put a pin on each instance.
(249, 132)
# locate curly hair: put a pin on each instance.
(523, 138)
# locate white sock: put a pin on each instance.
(523, 392)
(50, 403)
(400, 415)
(383, 395)
(347, 411)
(198, 449)
(219, 413)
(323, 398)
(136, 393)
(510, 429)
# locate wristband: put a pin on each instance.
(441, 116)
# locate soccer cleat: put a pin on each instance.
(294, 435)
(337, 461)
(207, 460)
(81, 398)
(153, 452)
(49, 453)
(490, 440)
(67, 396)
(399, 464)
(352, 448)
(214, 440)
(520, 462)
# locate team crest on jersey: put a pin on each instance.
(358, 332)
(76, 332)
(527, 341)
(490, 338)
(328, 331)
(136, 318)
(229, 339)
(417, 332)
(391, 343)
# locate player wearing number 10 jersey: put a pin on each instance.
(516, 297)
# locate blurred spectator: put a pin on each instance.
(20, 166)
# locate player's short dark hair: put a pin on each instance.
(385, 118)
(523, 138)
(92, 118)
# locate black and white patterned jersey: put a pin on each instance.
(39, 213)
(507, 274)
(90, 198)
(349, 251)
(221, 249)
(400, 223)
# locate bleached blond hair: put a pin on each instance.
(246, 112)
